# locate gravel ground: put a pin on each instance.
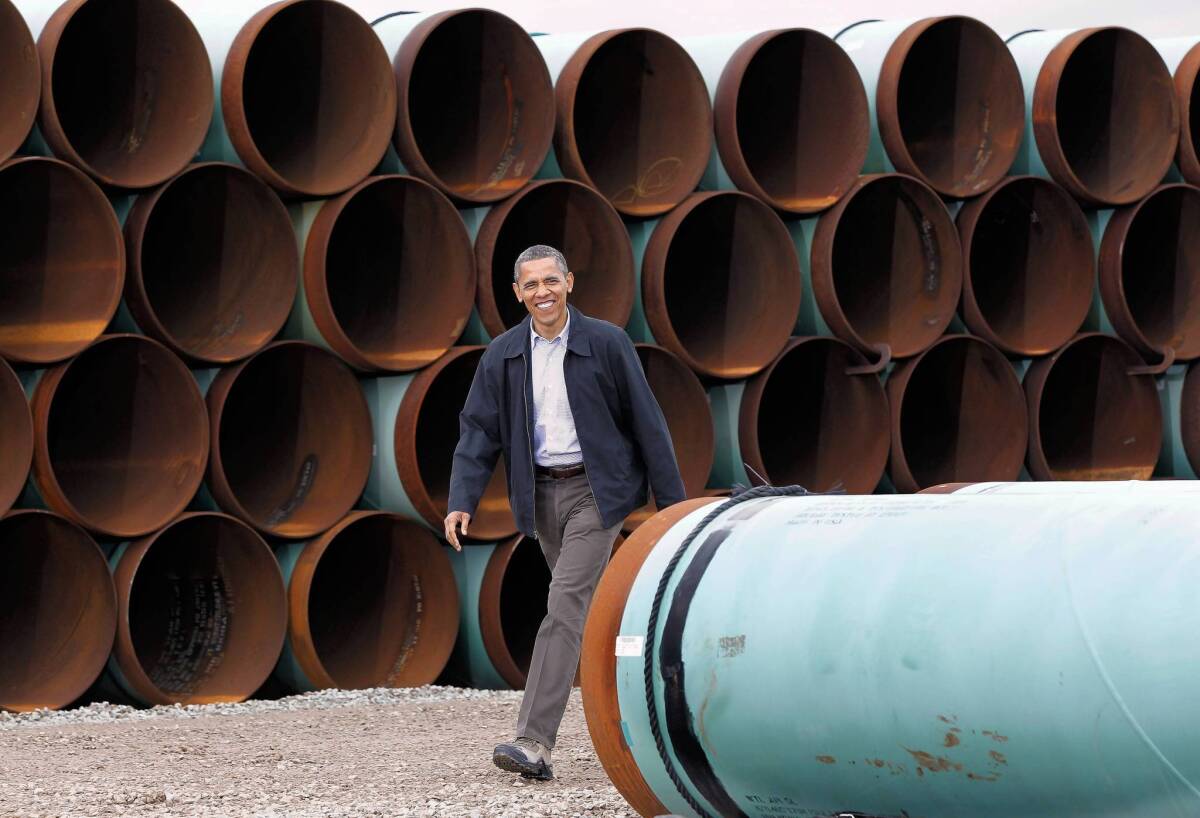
(420, 752)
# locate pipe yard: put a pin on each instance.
(919, 300)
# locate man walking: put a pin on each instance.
(564, 397)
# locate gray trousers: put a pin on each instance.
(577, 547)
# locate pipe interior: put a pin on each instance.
(731, 285)
(295, 440)
(480, 105)
(962, 417)
(1032, 267)
(642, 122)
(802, 120)
(63, 261)
(16, 437)
(204, 601)
(523, 593)
(133, 89)
(1114, 99)
(391, 235)
(437, 436)
(219, 263)
(20, 85)
(894, 273)
(1160, 270)
(381, 601)
(57, 612)
(314, 92)
(819, 427)
(127, 435)
(1096, 422)
(960, 106)
(585, 229)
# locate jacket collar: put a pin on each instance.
(578, 340)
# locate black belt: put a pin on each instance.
(559, 472)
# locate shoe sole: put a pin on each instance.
(537, 772)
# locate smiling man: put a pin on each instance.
(564, 397)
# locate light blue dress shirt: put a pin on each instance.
(555, 442)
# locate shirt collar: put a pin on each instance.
(562, 333)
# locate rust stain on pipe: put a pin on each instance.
(16, 437)
(120, 436)
(64, 261)
(476, 106)
(578, 221)
(805, 421)
(1089, 419)
(372, 603)
(1150, 272)
(308, 97)
(58, 611)
(957, 415)
(721, 283)
(201, 612)
(291, 440)
(127, 90)
(1105, 116)
(634, 120)
(425, 435)
(1030, 266)
(1187, 93)
(887, 265)
(20, 80)
(212, 263)
(367, 267)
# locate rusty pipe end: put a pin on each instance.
(58, 610)
(1029, 266)
(64, 260)
(20, 80)
(791, 120)
(367, 263)
(804, 420)
(16, 437)
(957, 415)
(721, 283)
(1187, 93)
(120, 436)
(475, 111)
(201, 612)
(372, 603)
(512, 605)
(634, 120)
(1105, 116)
(308, 97)
(213, 263)
(1089, 419)
(887, 265)
(127, 89)
(425, 435)
(291, 440)
(1150, 272)
(575, 219)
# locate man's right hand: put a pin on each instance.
(454, 519)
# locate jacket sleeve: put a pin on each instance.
(649, 427)
(478, 443)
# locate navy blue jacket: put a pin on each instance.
(621, 430)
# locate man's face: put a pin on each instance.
(543, 289)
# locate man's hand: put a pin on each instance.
(453, 519)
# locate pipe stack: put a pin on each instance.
(248, 269)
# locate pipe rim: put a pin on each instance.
(773, 317)
(1188, 154)
(16, 437)
(525, 149)
(351, 480)
(922, 331)
(1008, 449)
(605, 229)
(656, 189)
(186, 464)
(345, 166)
(456, 279)
(20, 80)
(1045, 115)
(1067, 314)
(277, 302)
(188, 131)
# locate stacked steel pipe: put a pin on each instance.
(247, 271)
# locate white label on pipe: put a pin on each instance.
(630, 645)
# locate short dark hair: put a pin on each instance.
(536, 253)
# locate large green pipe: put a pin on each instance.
(945, 100)
(20, 80)
(870, 694)
(1179, 393)
(1182, 56)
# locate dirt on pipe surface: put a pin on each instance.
(20, 80)
(127, 89)
(16, 437)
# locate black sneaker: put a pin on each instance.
(525, 756)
